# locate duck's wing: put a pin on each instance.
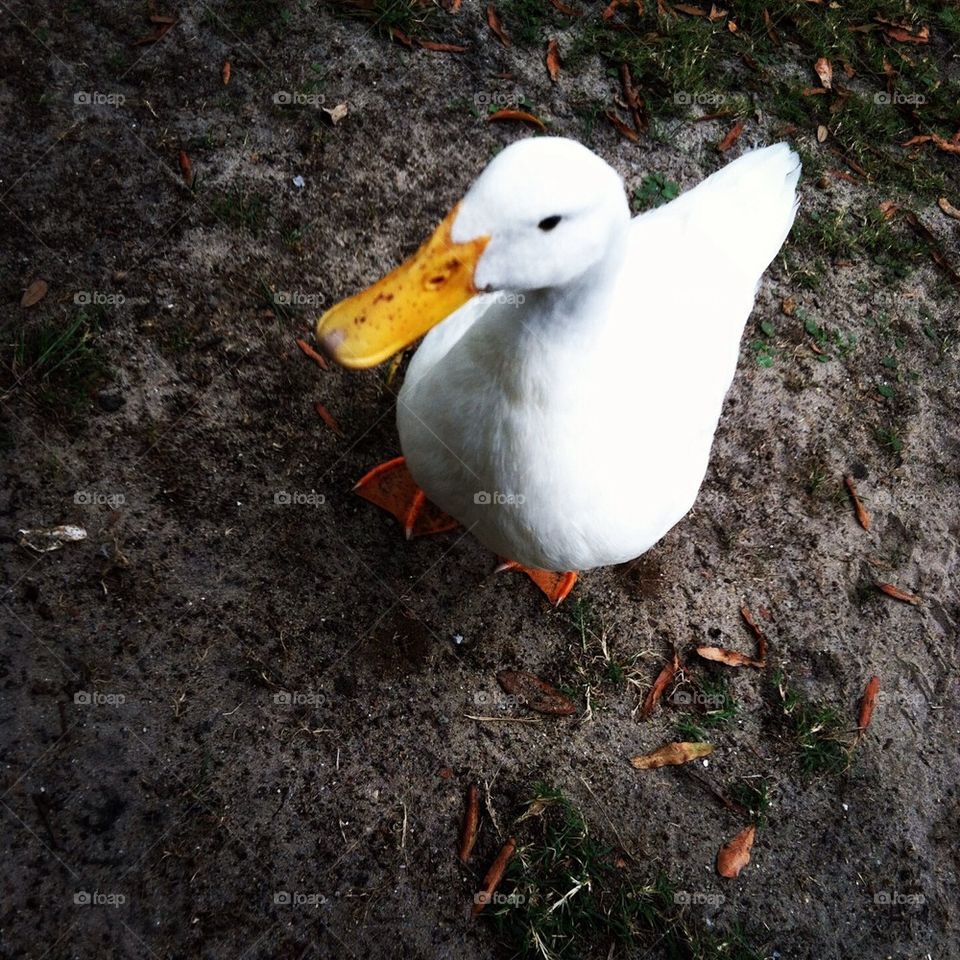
(739, 216)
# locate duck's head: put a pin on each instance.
(543, 213)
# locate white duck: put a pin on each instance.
(565, 415)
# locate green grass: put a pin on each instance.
(713, 706)
(817, 731)
(243, 209)
(56, 362)
(571, 896)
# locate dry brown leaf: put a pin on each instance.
(735, 855)
(690, 10)
(948, 208)
(553, 59)
(536, 694)
(904, 35)
(401, 37)
(771, 29)
(892, 591)
(622, 128)
(822, 134)
(496, 26)
(34, 293)
(659, 685)
(813, 91)
(327, 417)
(672, 755)
(788, 306)
(471, 823)
(867, 703)
(519, 115)
(888, 208)
(186, 168)
(731, 26)
(610, 9)
(716, 13)
(312, 354)
(336, 113)
(225, 72)
(633, 99)
(565, 10)
(494, 875)
(437, 47)
(733, 134)
(863, 517)
(758, 634)
(824, 70)
(732, 658)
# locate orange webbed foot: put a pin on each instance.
(555, 586)
(391, 488)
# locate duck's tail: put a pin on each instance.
(748, 207)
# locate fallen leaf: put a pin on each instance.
(536, 694)
(336, 113)
(715, 13)
(733, 134)
(788, 306)
(401, 37)
(53, 538)
(813, 91)
(225, 72)
(659, 685)
(822, 134)
(327, 417)
(771, 29)
(732, 658)
(672, 755)
(948, 208)
(565, 10)
(824, 70)
(867, 703)
(863, 517)
(690, 10)
(891, 591)
(494, 875)
(610, 9)
(186, 168)
(903, 35)
(519, 115)
(633, 99)
(34, 293)
(553, 59)
(848, 69)
(441, 47)
(888, 208)
(843, 175)
(621, 127)
(312, 354)
(758, 634)
(471, 823)
(735, 855)
(731, 26)
(497, 27)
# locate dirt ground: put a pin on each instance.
(235, 716)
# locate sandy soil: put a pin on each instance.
(218, 698)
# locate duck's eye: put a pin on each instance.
(549, 223)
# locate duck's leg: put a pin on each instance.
(391, 487)
(555, 586)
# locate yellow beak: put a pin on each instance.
(372, 325)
